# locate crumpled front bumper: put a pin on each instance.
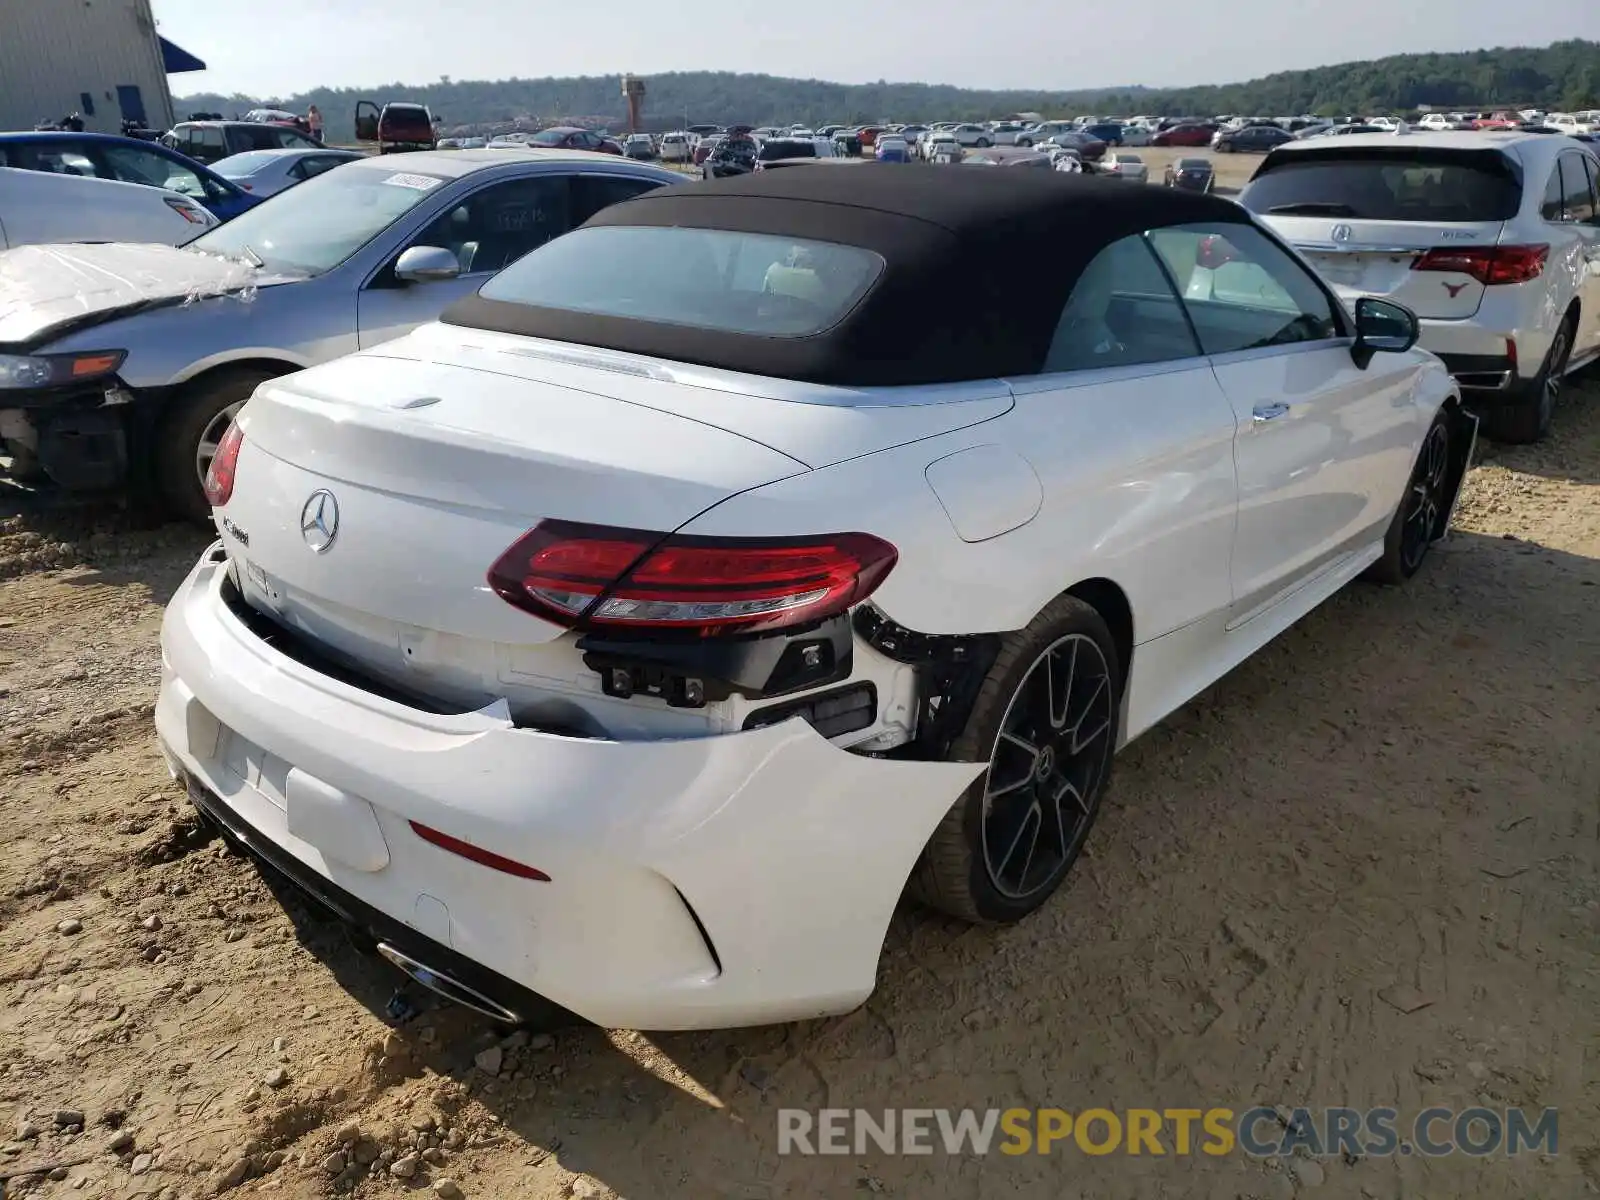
(707, 882)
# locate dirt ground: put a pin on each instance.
(1403, 791)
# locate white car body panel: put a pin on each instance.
(38, 208)
(1219, 525)
(1124, 166)
(1320, 465)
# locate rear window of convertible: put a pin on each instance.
(747, 283)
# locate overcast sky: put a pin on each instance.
(288, 46)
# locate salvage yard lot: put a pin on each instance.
(1403, 792)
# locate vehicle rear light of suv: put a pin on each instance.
(219, 475)
(595, 576)
(1489, 265)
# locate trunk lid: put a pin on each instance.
(427, 459)
(46, 290)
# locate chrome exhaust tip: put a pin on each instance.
(451, 989)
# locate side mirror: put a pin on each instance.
(1382, 326)
(426, 264)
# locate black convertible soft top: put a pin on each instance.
(978, 265)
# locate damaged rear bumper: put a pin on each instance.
(692, 883)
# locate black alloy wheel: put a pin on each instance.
(1426, 504)
(1049, 758)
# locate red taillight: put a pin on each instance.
(219, 475)
(1214, 252)
(1489, 265)
(629, 578)
(477, 854)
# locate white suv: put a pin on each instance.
(1570, 122)
(1491, 238)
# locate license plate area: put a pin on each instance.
(253, 580)
(1374, 274)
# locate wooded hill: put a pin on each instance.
(1559, 77)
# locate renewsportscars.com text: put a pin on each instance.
(1260, 1132)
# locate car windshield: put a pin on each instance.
(715, 279)
(1382, 184)
(314, 227)
(550, 137)
(239, 165)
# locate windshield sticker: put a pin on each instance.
(420, 183)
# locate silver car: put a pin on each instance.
(124, 364)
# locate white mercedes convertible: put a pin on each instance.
(630, 640)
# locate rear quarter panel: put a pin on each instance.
(1147, 502)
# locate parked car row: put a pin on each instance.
(1507, 293)
(541, 540)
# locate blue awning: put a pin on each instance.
(176, 59)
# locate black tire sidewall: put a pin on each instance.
(977, 743)
(179, 435)
(1524, 420)
(1391, 568)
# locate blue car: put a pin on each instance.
(108, 156)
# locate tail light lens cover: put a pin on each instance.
(1489, 265)
(599, 577)
(187, 211)
(219, 475)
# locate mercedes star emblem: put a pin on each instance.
(1341, 233)
(319, 520)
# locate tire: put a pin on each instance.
(1025, 143)
(982, 143)
(969, 866)
(1420, 516)
(25, 466)
(203, 411)
(1527, 418)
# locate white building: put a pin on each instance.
(102, 59)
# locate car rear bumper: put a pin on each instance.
(1481, 372)
(707, 882)
(1486, 355)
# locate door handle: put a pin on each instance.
(1268, 412)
